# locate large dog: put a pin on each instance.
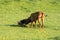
(36, 16)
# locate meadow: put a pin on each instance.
(11, 11)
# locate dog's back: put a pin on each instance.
(35, 16)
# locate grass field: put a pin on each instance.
(12, 11)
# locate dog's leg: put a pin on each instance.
(39, 22)
(35, 24)
(32, 24)
(42, 19)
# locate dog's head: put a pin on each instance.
(22, 22)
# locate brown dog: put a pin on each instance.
(36, 17)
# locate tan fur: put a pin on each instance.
(37, 16)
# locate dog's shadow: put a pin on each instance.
(17, 25)
(14, 25)
(24, 26)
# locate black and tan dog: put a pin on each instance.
(36, 16)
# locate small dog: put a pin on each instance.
(36, 16)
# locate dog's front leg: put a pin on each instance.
(32, 24)
(35, 24)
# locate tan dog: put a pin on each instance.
(37, 16)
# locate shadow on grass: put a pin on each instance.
(54, 38)
(13, 25)
(35, 26)
(25, 26)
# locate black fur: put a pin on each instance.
(24, 22)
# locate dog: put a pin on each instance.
(36, 16)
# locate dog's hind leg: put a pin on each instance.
(42, 19)
(39, 22)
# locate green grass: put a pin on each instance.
(11, 11)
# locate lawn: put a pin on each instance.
(11, 11)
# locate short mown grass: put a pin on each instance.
(11, 11)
